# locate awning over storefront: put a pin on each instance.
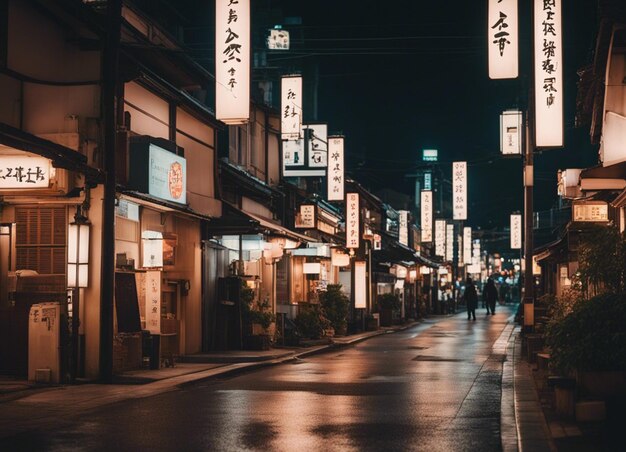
(611, 177)
(160, 204)
(61, 156)
(398, 253)
(235, 221)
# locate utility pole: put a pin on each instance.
(110, 60)
(528, 299)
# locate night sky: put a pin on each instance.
(397, 77)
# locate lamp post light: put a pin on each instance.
(77, 275)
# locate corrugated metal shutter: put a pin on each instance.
(41, 239)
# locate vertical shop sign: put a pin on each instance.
(153, 301)
(427, 216)
(291, 107)
(440, 238)
(335, 168)
(449, 242)
(548, 35)
(352, 220)
(503, 41)
(459, 190)
(403, 233)
(467, 245)
(511, 132)
(516, 231)
(232, 61)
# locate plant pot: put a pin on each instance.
(257, 342)
(386, 317)
(602, 383)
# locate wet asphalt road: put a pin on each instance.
(433, 387)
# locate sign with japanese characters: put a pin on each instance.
(378, 242)
(278, 39)
(403, 232)
(511, 132)
(459, 190)
(449, 242)
(24, 171)
(503, 41)
(232, 61)
(352, 220)
(427, 216)
(335, 169)
(428, 181)
(167, 175)
(516, 231)
(440, 238)
(590, 211)
(291, 107)
(309, 155)
(467, 245)
(306, 219)
(548, 74)
(153, 301)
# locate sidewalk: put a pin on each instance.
(146, 383)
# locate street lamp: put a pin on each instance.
(77, 274)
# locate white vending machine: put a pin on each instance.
(44, 351)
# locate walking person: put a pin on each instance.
(490, 296)
(471, 298)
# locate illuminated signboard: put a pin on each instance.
(232, 62)
(428, 181)
(352, 220)
(516, 231)
(449, 242)
(440, 238)
(427, 216)
(467, 245)
(291, 107)
(307, 156)
(278, 39)
(503, 41)
(430, 155)
(459, 190)
(403, 233)
(24, 171)
(335, 169)
(548, 74)
(511, 132)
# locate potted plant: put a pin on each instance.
(257, 319)
(387, 303)
(335, 307)
(590, 343)
(311, 322)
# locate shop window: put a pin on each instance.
(41, 239)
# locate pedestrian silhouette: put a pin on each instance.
(490, 296)
(471, 298)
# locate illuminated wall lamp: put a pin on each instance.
(78, 252)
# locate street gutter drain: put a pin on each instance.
(436, 359)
